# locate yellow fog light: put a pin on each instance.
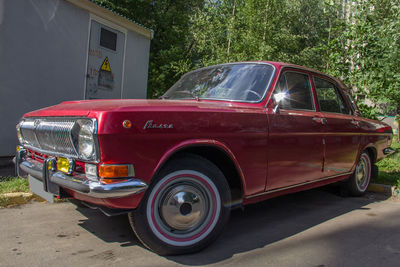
(65, 165)
(51, 165)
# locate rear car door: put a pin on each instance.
(341, 137)
(295, 148)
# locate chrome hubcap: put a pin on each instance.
(183, 207)
(362, 172)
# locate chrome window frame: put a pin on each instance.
(338, 91)
(283, 71)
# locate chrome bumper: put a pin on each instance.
(388, 151)
(76, 183)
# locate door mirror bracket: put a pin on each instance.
(276, 109)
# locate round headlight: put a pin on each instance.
(86, 140)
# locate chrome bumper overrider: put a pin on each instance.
(76, 183)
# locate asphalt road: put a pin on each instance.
(312, 228)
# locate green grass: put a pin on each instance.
(389, 168)
(12, 184)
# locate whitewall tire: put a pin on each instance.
(185, 207)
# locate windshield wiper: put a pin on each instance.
(188, 93)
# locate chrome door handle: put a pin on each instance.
(319, 120)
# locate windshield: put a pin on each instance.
(245, 82)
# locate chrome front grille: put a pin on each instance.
(49, 135)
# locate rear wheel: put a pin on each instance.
(360, 179)
(185, 207)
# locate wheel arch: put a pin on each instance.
(372, 153)
(219, 155)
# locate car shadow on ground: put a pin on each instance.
(257, 226)
(114, 229)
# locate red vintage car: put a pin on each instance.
(221, 137)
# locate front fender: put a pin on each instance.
(181, 146)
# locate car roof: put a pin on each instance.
(289, 65)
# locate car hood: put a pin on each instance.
(85, 108)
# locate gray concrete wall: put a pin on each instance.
(43, 48)
(136, 66)
(43, 52)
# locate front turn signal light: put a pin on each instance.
(116, 171)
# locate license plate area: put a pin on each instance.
(36, 187)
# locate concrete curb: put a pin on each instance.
(387, 190)
(18, 198)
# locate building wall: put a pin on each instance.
(43, 52)
(42, 59)
(136, 66)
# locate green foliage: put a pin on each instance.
(357, 41)
(13, 184)
(364, 51)
(389, 168)
(368, 111)
(171, 49)
(290, 31)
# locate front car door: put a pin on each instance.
(295, 146)
(342, 137)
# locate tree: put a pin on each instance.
(364, 52)
(290, 31)
(170, 51)
(357, 41)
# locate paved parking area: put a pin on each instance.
(312, 228)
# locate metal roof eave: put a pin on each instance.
(113, 17)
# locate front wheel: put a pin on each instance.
(360, 179)
(185, 208)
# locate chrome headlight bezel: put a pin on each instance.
(84, 135)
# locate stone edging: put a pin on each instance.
(18, 198)
(384, 189)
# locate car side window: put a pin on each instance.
(329, 98)
(294, 91)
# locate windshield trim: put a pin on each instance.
(230, 100)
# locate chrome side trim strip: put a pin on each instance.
(296, 185)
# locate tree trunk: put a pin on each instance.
(397, 121)
(231, 29)
(329, 43)
(265, 23)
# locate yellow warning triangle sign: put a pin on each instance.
(106, 65)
